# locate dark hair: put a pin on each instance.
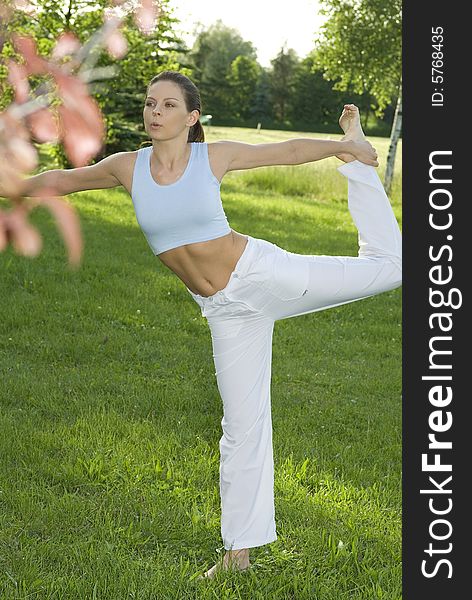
(191, 97)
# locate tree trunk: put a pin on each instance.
(395, 134)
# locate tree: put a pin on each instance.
(396, 129)
(262, 106)
(282, 80)
(242, 77)
(360, 46)
(315, 103)
(212, 55)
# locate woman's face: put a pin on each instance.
(165, 106)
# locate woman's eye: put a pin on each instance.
(167, 104)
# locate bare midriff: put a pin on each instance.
(205, 267)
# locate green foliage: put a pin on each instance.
(243, 75)
(284, 66)
(212, 57)
(262, 108)
(292, 94)
(121, 98)
(314, 101)
(360, 47)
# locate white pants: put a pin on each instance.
(268, 284)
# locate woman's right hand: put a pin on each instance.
(364, 152)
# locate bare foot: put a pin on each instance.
(350, 123)
(233, 559)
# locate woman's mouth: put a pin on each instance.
(155, 125)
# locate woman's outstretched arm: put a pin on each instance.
(103, 174)
(239, 155)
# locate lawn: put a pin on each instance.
(110, 413)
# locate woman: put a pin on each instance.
(242, 284)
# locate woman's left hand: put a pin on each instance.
(365, 152)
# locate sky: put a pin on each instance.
(265, 23)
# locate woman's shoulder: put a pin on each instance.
(223, 148)
(124, 163)
(218, 157)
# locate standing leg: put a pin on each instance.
(242, 352)
(243, 371)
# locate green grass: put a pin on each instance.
(110, 414)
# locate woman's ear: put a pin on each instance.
(196, 114)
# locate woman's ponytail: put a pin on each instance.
(196, 133)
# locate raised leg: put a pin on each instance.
(335, 280)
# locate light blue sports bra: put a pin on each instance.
(186, 211)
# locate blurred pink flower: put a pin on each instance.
(77, 122)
